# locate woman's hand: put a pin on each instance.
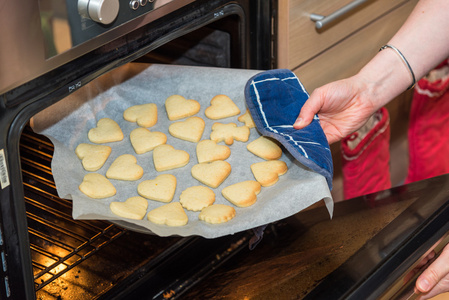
(342, 106)
(435, 279)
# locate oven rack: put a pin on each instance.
(57, 242)
(95, 259)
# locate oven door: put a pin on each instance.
(371, 249)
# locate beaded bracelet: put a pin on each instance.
(405, 61)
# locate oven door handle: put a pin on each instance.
(322, 21)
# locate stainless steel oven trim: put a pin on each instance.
(41, 65)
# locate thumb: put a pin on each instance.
(434, 273)
(307, 113)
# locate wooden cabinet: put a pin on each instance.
(340, 50)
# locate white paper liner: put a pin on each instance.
(296, 190)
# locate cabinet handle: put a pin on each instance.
(321, 21)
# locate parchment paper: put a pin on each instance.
(67, 124)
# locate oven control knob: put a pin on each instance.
(100, 11)
(134, 4)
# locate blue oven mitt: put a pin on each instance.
(274, 99)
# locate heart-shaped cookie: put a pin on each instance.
(133, 208)
(211, 174)
(221, 106)
(144, 114)
(125, 167)
(242, 194)
(171, 214)
(97, 186)
(92, 157)
(217, 213)
(165, 157)
(144, 140)
(178, 107)
(189, 130)
(195, 198)
(229, 132)
(267, 172)
(208, 150)
(107, 131)
(265, 148)
(162, 188)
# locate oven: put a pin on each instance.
(49, 50)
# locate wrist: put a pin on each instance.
(385, 77)
(404, 60)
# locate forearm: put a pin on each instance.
(424, 37)
(343, 106)
(424, 42)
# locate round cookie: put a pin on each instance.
(217, 213)
(195, 198)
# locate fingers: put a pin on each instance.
(438, 270)
(308, 111)
(305, 117)
(420, 267)
(440, 288)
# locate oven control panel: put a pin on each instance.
(90, 18)
(67, 24)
